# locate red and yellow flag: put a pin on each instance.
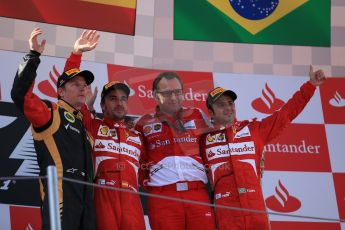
(117, 16)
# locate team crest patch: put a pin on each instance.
(217, 138)
(69, 117)
(210, 138)
(221, 137)
(103, 131)
(147, 130)
(152, 128)
(157, 127)
(112, 133)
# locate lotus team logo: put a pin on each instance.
(282, 201)
(268, 103)
(69, 117)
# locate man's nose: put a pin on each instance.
(173, 96)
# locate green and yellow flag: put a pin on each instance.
(284, 22)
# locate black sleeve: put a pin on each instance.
(24, 78)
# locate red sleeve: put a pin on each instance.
(88, 120)
(36, 110)
(203, 123)
(73, 61)
(203, 150)
(271, 126)
(144, 169)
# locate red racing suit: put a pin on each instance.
(233, 157)
(116, 152)
(175, 169)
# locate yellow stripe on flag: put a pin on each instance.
(254, 26)
(122, 3)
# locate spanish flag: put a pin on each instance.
(284, 22)
(116, 16)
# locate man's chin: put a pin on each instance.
(118, 117)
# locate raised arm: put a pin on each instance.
(32, 106)
(271, 126)
(87, 41)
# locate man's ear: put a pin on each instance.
(60, 92)
(210, 111)
(157, 97)
(102, 106)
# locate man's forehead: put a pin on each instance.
(77, 78)
(117, 93)
(173, 83)
(223, 98)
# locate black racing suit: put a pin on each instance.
(61, 140)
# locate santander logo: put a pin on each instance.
(131, 91)
(48, 87)
(210, 154)
(268, 103)
(337, 100)
(99, 146)
(282, 201)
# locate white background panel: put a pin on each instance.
(336, 146)
(314, 190)
(5, 216)
(9, 62)
(249, 87)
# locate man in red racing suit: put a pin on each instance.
(234, 150)
(117, 150)
(173, 162)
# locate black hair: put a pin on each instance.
(166, 75)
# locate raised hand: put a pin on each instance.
(33, 41)
(86, 42)
(91, 97)
(317, 77)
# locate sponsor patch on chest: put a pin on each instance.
(111, 146)
(152, 128)
(216, 138)
(243, 133)
(105, 131)
(189, 125)
(134, 139)
(227, 150)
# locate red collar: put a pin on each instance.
(165, 117)
(116, 124)
(174, 121)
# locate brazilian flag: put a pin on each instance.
(280, 22)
